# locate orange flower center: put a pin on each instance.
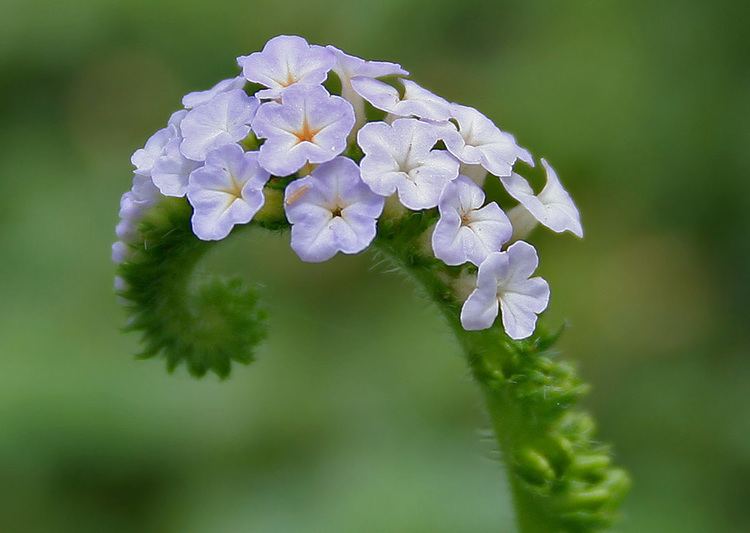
(306, 133)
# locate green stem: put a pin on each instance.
(559, 479)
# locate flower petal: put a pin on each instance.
(520, 307)
(553, 207)
(286, 61)
(480, 310)
(197, 98)
(223, 120)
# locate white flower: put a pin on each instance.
(553, 207)
(416, 101)
(227, 191)
(347, 67)
(331, 211)
(172, 170)
(197, 98)
(477, 140)
(467, 231)
(144, 158)
(504, 284)
(308, 125)
(285, 61)
(399, 157)
(225, 119)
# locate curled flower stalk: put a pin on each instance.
(345, 155)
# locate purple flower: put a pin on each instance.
(347, 67)
(228, 190)
(416, 101)
(467, 231)
(331, 211)
(553, 207)
(144, 158)
(503, 282)
(225, 119)
(197, 98)
(399, 157)
(309, 125)
(172, 170)
(285, 61)
(477, 140)
(134, 204)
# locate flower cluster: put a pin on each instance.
(280, 121)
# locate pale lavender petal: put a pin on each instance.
(314, 241)
(399, 157)
(175, 120)
(197, 98)
(553, 207)
(480, 310)
(447, 241)
(477, 140)
(379, 94)
(227, 191)
(490, 230)
(172, 170)
(223, 120)
(309, 125)
(523, 261)
(520, 307)
(423, 184)
(285, 61)
(521, 298)
(562, 211)
(421, 103)
(331, 211)
(144, 158)
(466, 231)
(348, 66)
(416, 101)
(144, 190)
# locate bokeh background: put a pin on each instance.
(359, 414)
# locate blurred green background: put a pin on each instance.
(360, 414)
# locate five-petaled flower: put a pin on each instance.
(285, 61)
(400, 157)
(224, 119)
(227, 191)
(474, 139)
(467, 231)
(308, 126)
(553, 207)
(331, 211)
(504, 283)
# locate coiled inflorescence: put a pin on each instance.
(349, 154)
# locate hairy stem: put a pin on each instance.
(561, 480)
